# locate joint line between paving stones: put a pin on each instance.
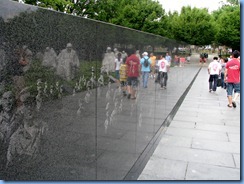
(186, 170)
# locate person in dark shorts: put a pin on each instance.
(232, 78)
(133, 73)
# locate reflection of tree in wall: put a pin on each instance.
(89, 38)
(2, 31)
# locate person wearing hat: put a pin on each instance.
(68, 63)
(108, 60)
(145, 68)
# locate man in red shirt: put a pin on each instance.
(133, 73)
(232, 77)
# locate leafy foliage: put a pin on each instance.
(193, 25)
(228, 26)
(48, 75)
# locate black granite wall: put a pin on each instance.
(60, 123)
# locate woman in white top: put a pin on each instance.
(118, 61)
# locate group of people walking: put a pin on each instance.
(228, 72)
(129, 70)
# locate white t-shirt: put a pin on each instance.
(117, 63)
(163, 64)
(214, 67)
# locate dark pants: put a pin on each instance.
(213, 82)
(158, 77)
(163, 79)
(223, 84)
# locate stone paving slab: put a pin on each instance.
(237, 160)
(232, 123)
(195, 155)
(221, 146)
(217, 128)
(234, 137)
(204, 134)
(168, 140)
(165, 168)
(188, 118)
(194, 133)
(144, 176)
(181, 124)
(209, 172)
(186, 112)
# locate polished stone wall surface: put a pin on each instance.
(62, 115)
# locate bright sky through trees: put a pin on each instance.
(175, 5)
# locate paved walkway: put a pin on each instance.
(203, 140)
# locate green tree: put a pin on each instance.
(193, 26)
(141, 15)
(144, 15)
(227, 21)
(167, 24)
(83, 8)
(58, 5)
(234, 2)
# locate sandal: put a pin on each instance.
(230, 106)
(234, 104)
(133, 98)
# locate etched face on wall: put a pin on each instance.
(7, 101)
(28, 111)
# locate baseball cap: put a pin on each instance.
(144, 53)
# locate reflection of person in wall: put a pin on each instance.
(68, 63)
(116, 52)
(25, 142)
(118, 61)
(108, 60)
(133, 74)
(138, 54)
(50, 58)
(124, 55)
(25, 58)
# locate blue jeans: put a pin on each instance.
(231, 87)
(145, 76)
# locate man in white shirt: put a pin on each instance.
(214, 69)
(164, 66)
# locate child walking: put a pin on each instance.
(123, 76)
(117, 62)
